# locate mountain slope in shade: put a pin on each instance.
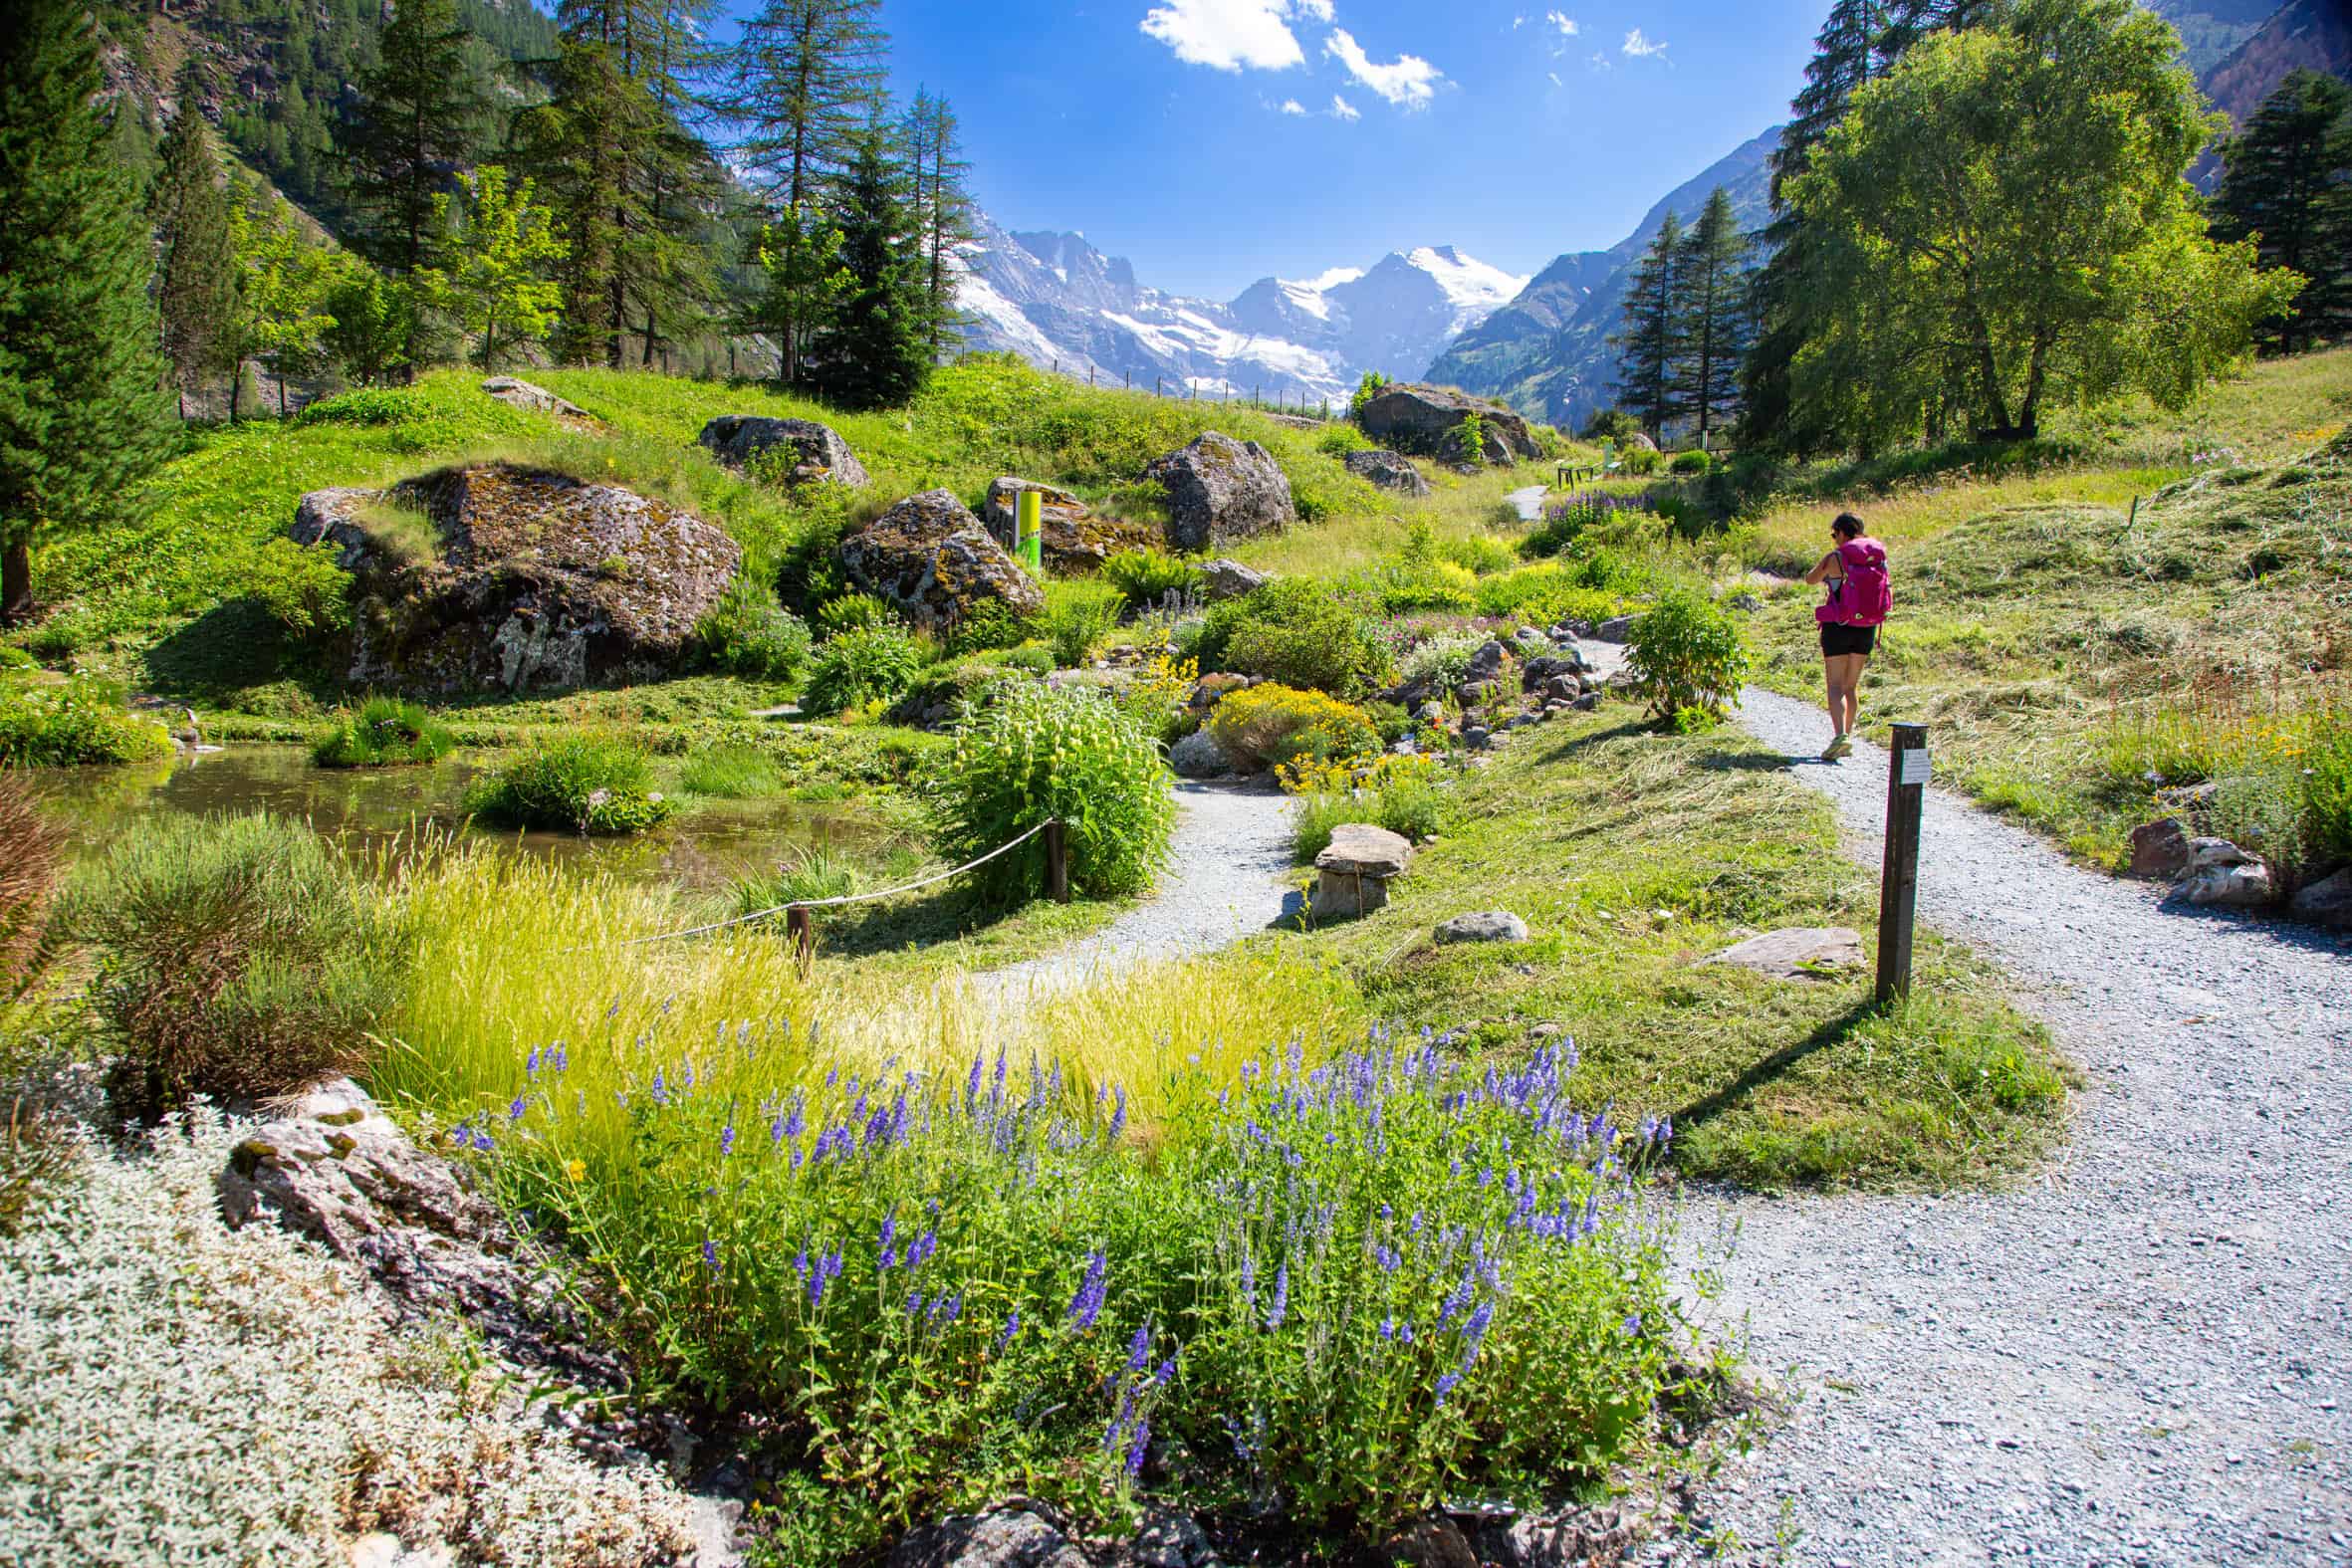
(2211, 29)
(1546, 352)
(2304, 35)
(1057, 301)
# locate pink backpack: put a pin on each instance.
(1865, 595)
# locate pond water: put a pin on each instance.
(361, 808)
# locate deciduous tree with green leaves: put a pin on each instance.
(2012, 203)
(498, 282)
(283, 319)
(2286, 184)
(84, 419)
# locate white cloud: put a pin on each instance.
(1233, 35)
(1639, 47)
(1409, 82)
(1561, 21)
(1291, 105)
(1600, 61)
(1517, 22)
(1344, 109)
(1555, 80)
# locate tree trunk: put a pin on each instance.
(16, 581)
(236, 389)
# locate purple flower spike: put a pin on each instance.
(1118, 1116)
(888, 1243)
(1011, 1327)
(1138, 1449)
(1086, 1305)
(710, 1254)
(726, 1140)
(482, 1143)
(1281, 1299)
(1139, 1348)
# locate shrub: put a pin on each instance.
(237, 958)
(1148, 577)
(1640, 461)
(1037, 754)
(748, 634)
(854, 612)
(301, 586)
(813, 872)
(581, 783)
(1338, 440)
(862, 665)
(1079, 617)
(1400, 794)
(81, 720)
(385, 730)
(977, 1283)
(1686, 653)
(732, 773)
(1611, 424)
(1277, 726)
(1438, 585)
(1478, 553)
(1443, 659)
(1292, 632)
(1370, 386)
(1034, 657)
(1546, 594)
(987, 625)
(1691, 462)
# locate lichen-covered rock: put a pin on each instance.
(1076, 537)
(1487, 925)
(540, 581)
(334, 516)
(1222, 579)
(1221, 490)
(1387, 471)
(818, 451)
(1424, 420)
(519, 393)
(1015, 1533)
(934, 561)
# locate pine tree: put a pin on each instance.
(807, 78)
(418, 118)
(874, 348)
(1650, 345)
(83, 417)
(196, 266)
(2285, 186)
(942, 206)
(1711, 309)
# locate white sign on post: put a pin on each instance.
(1915, 767)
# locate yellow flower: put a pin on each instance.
(575, 1170)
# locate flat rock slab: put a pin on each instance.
(1360, 849)
(1797, 953)
(519, 393)
(1487, 925)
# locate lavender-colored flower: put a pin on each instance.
(1139, 1348)
(1163, 1372)
(1631, 1326)
(563, 1057)
(688, 1077)
(514, 1112)
(914, 1302)
(1281, 1299)
(1011, 1327)
(1086, 1305)
(1388, 1327)
(888, 1243)
(794, 1124)
(661, 1092)
(1249, 1279)
(531, 1063)
(919, 1253)
(800, 1262)
(1446, 1385)
(1138, 1448)
(726, 1140)
(482, 1143)
(710, 1254)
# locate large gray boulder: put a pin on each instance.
(2327, 902)
(814, 451)
(1076, 537)
(935, 561)
(1222, 579)
(1353, 872)
(534, 581)
(1221, 490)
(1387, 470)
(1424, 420)
(518, 393)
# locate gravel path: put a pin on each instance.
(2143, 1357)
(1232, 842)
(1530, 500)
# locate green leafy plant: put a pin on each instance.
(582, 783)
(1147, 577)
(1694, 461)
(1036, 754)
(986, 626)
(1079, 617)
(386, 729)
(861, 665)
(1471, 437)
(748, 634)
(854, 612)
(301, 588)
(1370, 386)
(811, 872)
(81, 720)
(732, 773)
(1293, 631)
(237, 957)
(1686, 653)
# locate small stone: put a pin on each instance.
(1489, 925)
(518, 393)
(1796, 953)
(1477, 737)
(2159, 848)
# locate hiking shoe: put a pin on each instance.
(1840, 747)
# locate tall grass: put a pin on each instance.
(2280, 763)
(385, 730)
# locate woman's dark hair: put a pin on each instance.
(1848, 526)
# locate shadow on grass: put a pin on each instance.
(1568, 749)
(1828, 1033)
(234, 648)
(1750, 761)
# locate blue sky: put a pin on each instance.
(1215, 141)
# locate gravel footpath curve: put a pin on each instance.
(2144, 1356)
(1232, 842)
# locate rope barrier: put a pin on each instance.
(844, 898)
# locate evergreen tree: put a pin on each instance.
(1711, 309)
(942, 206)
(874, 347)
(1650, 346)
(807, 78)
(83, 417)
(2286, 184)
(196, 265)
(418, 118)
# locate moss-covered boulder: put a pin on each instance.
(936, 563)
(1076, 537)
(531, 579)
(810, 452)
(1221, 490)
(1428, 420)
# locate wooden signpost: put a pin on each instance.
(1057, 861)
(1898, 886)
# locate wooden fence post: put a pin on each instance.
(1057, 861)
(1898, 886)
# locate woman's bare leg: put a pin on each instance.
(1836, 696)
(1853, 691)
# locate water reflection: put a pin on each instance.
(361, 808)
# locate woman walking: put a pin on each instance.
(1859, 598)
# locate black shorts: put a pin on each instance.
(1838, 639)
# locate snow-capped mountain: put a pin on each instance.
(1055, 300)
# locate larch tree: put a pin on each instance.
(283, 279)
(2286, 184)
(195, 261)
(417, 118)
(2012, 201)
(942, 206)
(1650, 345)
(499, 282)
(808, 77)
(83, 416)
(873, 349)
(1712, 310)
